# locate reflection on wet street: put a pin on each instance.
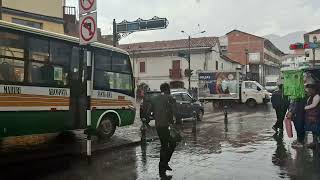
(243, 148)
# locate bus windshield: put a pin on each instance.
(113, 72)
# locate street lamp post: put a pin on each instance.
(189, 55)
(247, 53)
(0, 9)
(189, 63)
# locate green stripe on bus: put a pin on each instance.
(42, 122)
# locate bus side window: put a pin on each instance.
(8, 73)
(60, 58)
(5, 69)
(36, 73)
(11, 56)
(102, 64)
(47, 73)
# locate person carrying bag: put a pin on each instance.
(163, 108)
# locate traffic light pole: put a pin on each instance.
(115, 36)
(189, 61)
(314, 58)
(247, 52)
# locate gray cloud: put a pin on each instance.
(217, 17)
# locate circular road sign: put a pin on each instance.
(88, 28)
(86, 4)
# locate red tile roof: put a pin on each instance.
(226, 58)
(171, 44)
(235, 30)
(314, 32)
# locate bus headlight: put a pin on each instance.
(132, 108)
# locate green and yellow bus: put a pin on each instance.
(43, 87)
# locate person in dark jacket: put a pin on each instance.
(297, 114)
(163, 107)
(280, 103)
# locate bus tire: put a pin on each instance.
(106, 128)
(251, 102)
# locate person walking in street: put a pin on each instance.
(280, 103)
(297, 114)
(293, 86)
(312, 109)
(163, 107)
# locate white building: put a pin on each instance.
(158, 62)
(294, 62)
(313, 36)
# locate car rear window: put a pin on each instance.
(152, 94)
(271, 84)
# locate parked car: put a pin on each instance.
(184, 107)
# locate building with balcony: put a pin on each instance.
(158, 62)
(41, 14)
(313, 36)
(294, 62)
(260, 56)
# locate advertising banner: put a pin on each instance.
(218, 85)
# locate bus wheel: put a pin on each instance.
(106, 128)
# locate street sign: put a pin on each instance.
(87, 6)
(142, 25)
(309, 45)
(88, 28)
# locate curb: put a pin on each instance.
(102, 148)
(77, 149)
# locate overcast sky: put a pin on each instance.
(216, 17)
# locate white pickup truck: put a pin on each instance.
(222, 86)
(271, 83)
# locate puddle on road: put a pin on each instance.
(243, 149)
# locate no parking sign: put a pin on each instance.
(87, 6)
(88, 21)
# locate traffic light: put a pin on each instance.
(188, 73)
(183, 55)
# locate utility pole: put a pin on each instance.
(189, 64)
(247, 52)
(0, 9)
(313, 58)
(115, 36)
(315, 39)
(189, 56)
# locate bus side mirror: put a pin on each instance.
(258, 88)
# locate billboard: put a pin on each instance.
(254, 58)
(218, 85)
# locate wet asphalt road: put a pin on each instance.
(243, 148)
